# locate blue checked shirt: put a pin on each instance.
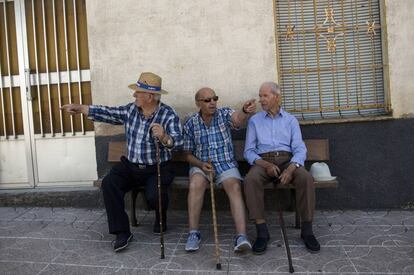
(214, 141)
(141, 146)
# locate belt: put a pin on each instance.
(141, 166)
(276, 154)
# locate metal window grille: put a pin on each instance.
(58, 70)
(330, 58)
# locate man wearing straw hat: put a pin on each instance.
(275, 149)
(207, 136)
(147, 120)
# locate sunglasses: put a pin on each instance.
(208, 100)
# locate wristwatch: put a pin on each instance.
(296, 164)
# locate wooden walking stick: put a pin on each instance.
(157, 147)
(213, 211)
(284, 235)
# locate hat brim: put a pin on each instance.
(324, 178)
(134, 87)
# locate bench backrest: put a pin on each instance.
(318, 150)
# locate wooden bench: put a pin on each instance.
(318, 150)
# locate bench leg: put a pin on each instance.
(133, 202)
(293, 205)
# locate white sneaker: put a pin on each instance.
(241, 243)
(193, 241)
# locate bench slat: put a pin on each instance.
(318, 150)
(182, 183)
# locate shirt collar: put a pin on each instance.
(154, 113)
(200, 117)
(281, 113)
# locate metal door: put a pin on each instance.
(44, 64)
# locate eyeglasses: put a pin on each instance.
(208, 100)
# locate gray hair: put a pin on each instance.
(275, 88)
(157, 97)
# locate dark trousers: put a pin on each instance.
(122, 178)
(257, 178)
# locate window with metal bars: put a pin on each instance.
(330, 58)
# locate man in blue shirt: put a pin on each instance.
(145, 120)
(207, 136)
(276, 151)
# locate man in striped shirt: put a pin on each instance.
(146, 120)
(207, 136)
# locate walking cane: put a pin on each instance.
(213, 210)
(157, 147)
(285, 239)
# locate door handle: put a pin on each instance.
(29, 95)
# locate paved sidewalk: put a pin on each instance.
(75, 241)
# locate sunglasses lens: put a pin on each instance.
(208, 100)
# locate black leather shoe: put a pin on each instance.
(260, 245)
(311, 243)
(122, 240)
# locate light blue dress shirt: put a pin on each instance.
(280, 133)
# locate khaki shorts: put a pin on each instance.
(230, 173)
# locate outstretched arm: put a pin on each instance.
(112, 115)
(76, 109)
(239, 117)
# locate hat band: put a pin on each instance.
(148, 87)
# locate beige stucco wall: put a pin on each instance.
(400, 22)
(227, 45)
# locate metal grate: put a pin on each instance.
(11, 121)
(59, 62)
(330, 59)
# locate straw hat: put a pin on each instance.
(148, 83)
(320, 172)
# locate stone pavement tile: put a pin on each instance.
(402, 235)
(76, 270)
(193, 272)
(11, 213)
(393, 217)
(137, 255)
(380, 259)
(329, 259)
(355, 217)
(62, 214)
(77, 230)
(21, 228)
(362, 235)
(201, 260)
(28, 249)
(17, 268)
(71, 269)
